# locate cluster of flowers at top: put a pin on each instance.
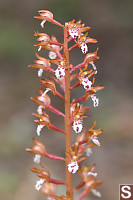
(76, 32)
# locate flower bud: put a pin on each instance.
(91, 57)
(42, 61)
(49, 84)
(38, 148)
(45, 15)
(45, 99)
(42, 37)
(48, 16)
(41, 173)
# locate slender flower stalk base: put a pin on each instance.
(64, 74)
(67, 113)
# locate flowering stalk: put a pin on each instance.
(67, 112)
(74, 114)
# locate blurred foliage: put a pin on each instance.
(14, 42)
(9, 181)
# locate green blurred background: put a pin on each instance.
(112, 26)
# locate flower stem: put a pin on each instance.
(57, 182)
(78, 66)
(57, 23)
(67, 113)
(79, 99)
(58, 54)
(82, 195)
(54, 157)
(56, 43)
(56, 111)
(73, 47)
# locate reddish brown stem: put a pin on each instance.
(59, 95)
(56, 111)
(37, 66)
(57, 23)
(83, 141)
(79, 99)
(57, 182)
(51, 70)
(82, 195)
(77, 66)
(59, 54)
(56, 128)
(79, 185)
(73, 47)
(69, 39)
(56, 43)
(67, 113)
(75, 85)
(54, 157)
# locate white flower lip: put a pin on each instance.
(60, 72)
(88, 152)
(73, 33)
(39, 184)
(94, 66)
(39, 48)
(95, 100)
(86, 83)
(73, 167)
(77, 126)
(84, 48)
(93, 174)
(96, 193)
(52, 55)
(39, 128)
(39, 109)
(95, 140)
(37, 158)
(40, 72)
(42, 23)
